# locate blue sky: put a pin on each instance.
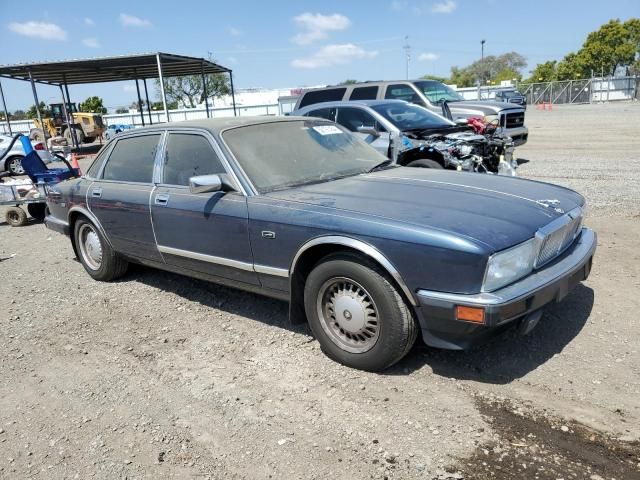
(289, 44)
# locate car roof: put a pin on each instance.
(217, 125)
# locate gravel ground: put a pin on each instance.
(162, 376)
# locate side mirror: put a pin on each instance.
(368, 131)
(210, 183)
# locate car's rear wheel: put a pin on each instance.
(424, 163)
(357, 314)
(14, 166)
(95, 253)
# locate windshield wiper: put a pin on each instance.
(380, 166)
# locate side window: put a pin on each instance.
(131, 159)
(328, 113)
(94, 168)
(189, 155)
(354, 118)
(364, 93)
(403, 92)
(319, 96)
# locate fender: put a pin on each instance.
(90, 216)
(364, 248)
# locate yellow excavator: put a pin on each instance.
(87, 126)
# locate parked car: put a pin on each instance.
(296, 208)
(11, 161)
(508, 117)
(416, 137)
(113, 130)
(511, 96)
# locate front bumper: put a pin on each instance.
(520, 135)
(436, 310)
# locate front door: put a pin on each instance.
(120, 197)
(205, 232)
(353, 118)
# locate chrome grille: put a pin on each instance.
(556, 237)
(515, 120)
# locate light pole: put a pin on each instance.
(481, 80)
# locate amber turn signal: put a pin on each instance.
(470, 314)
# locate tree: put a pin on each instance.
(92, 105)
(189, 90)
(18, 115)
(122, 110)
(544, 72)
(436, 78)
(490, 68)
(32, 113)
(613, 44)
(572, 66)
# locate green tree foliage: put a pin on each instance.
(544, 72)
(92, 105)
(436, 78)
(122, 110)
(18, 115)
(45, 111)
(492, 68)
(189, 90)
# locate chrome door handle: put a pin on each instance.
(162, 199)
(96, 192)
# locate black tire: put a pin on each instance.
(394, 322)
(68, 135)
(13, 165)
(37, 210)
(16, 217)
(110, 266)
(425, 163)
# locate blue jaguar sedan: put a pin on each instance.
(369, 253)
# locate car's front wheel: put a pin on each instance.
(14, 166)
(357, 314)
(424, 163)
(95, 253)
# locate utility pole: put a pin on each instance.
(481, 80)
(407, 52)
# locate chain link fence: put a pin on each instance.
(582, 90)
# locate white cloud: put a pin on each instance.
(127, 20)
(89, 21)
(316, 26)
(331, 55)
(91, 42)
(48, 31)
(447, 6)
(235, 32)
(428, 57)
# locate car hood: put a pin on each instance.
(496, 211)
(484, 107)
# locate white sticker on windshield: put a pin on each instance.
(327, 129)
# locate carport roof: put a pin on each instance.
(111, 69)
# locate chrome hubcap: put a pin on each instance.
(90, 247)
(348, 315)
(16, 166)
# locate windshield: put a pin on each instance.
(511, 94)
(438, 92)
(287, 154)
(407, 116)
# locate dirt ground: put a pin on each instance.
(162, 376)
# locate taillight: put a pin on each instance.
(38, 146)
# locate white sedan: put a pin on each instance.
(12, 161)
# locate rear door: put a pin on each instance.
(119, 197)
(204, 232)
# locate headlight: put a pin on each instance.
(491, 119)
(509, 265)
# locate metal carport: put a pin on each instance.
(112, 69)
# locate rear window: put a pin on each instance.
(319, 96)
(364, 93)
(131, 160)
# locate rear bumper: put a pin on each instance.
(56, 225)
(504, 307)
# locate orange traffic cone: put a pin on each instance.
(74, 163)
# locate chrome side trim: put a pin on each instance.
(276, 272)
(227, 262)
(584, 249)
(153, 227)
(362, 247)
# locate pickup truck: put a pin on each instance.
(431, 94)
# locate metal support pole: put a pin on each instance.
(204, 86)
(164, 97)
(35, 97)
(233, 94)
(66, 112)
(146, 95)
(74, 137)
(140, 102)
(6, 112)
